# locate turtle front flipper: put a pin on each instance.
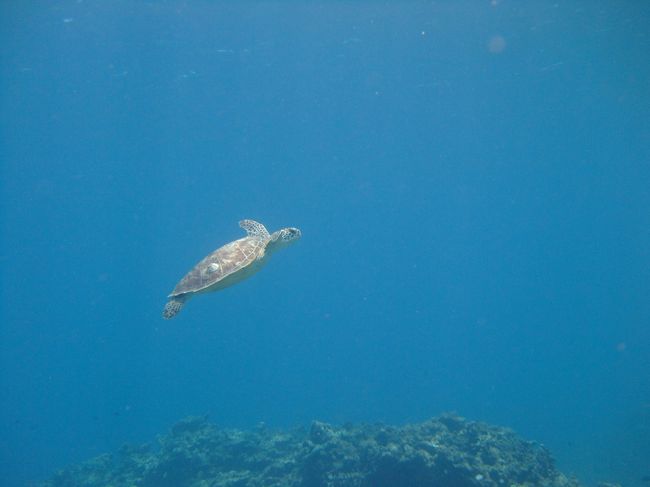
(174, 306)
(254, 229)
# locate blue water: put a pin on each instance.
(472, 180)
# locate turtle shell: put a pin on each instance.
(223, 267)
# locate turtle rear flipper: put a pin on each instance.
(173, 306)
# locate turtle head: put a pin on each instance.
(283, 238)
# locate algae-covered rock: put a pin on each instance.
(447, 451)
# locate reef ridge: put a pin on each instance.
(447, 451)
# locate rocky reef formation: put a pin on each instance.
(447, 451)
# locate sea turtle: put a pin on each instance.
(230, 264)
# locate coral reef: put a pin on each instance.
(447, 451)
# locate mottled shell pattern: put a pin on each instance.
(226, 260)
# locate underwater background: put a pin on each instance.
(471, 179)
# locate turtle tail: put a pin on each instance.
(173, 307)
